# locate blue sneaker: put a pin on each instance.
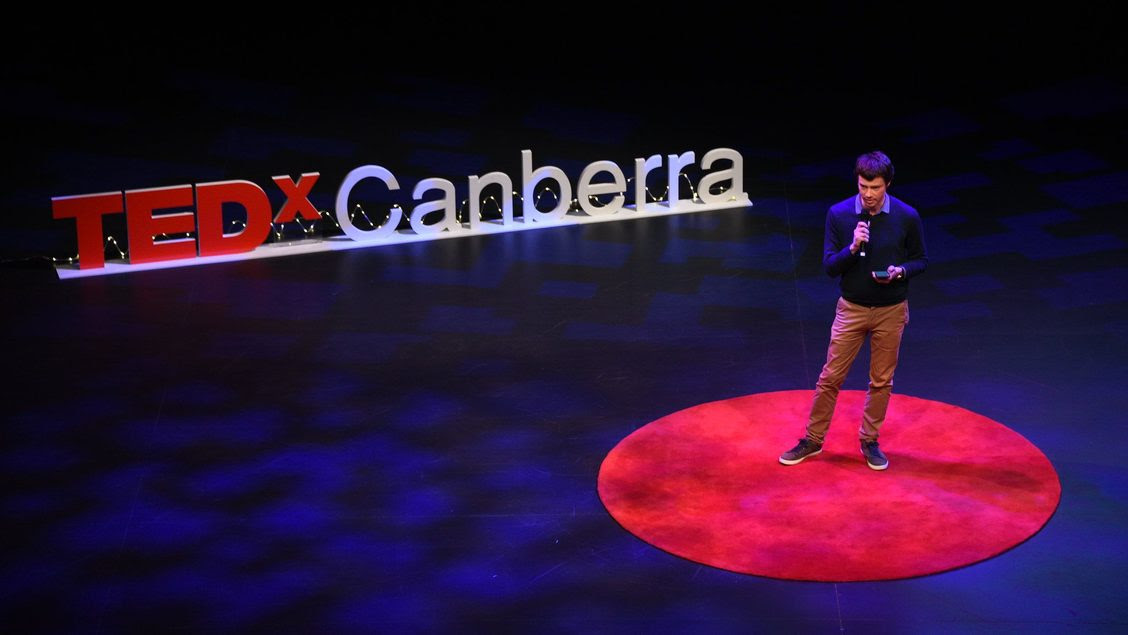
(796, 454)
(875, 458)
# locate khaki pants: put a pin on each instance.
(852, 322)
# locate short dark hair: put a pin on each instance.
(874, 164)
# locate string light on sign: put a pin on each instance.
(546, 190)
(360, 210)
(326, 215)
(462, 214)
(651, 198)
(308, 231)
(111, 241)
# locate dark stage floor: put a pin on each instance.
(407, 437)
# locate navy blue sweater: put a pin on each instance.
(896, 238)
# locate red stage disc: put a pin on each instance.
(705, 484)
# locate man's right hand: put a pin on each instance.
(861, 234)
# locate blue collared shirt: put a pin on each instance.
(858, 209)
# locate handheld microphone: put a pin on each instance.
(862, 245)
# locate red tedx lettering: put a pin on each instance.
(297, 201)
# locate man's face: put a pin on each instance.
(872, 192)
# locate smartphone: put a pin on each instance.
(881, 275)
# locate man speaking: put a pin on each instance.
(874, 243)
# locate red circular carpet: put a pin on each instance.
(705, 484)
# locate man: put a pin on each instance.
(875, 244)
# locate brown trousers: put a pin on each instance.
(852, 322)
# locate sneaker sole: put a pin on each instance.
(800, 459)
(876, 467)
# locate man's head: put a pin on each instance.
(874, 164)
(875, 172)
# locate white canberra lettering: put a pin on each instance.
(586, 189)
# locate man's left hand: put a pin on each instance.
(895, 272)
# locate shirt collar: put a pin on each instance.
(858, 204)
